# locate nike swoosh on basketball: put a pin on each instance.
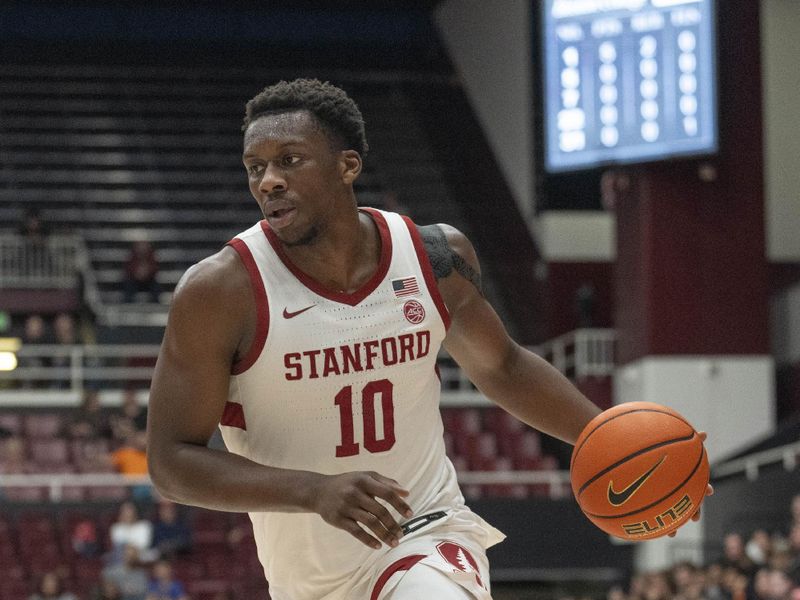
(620, 498)
(292, 315)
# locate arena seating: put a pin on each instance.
(120, 154)
(34, 541)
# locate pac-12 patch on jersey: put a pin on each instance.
(407, 286)
(414, 312)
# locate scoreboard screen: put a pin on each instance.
(627, 81)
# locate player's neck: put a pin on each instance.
(345, 256)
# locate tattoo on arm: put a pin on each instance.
(443, 258)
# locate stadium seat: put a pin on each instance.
(11, 422)
(43, 425)
(206, 589)
(49, 452)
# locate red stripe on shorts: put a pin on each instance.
(404, 564)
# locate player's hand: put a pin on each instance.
(350, 501)
(709, 490)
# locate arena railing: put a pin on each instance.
(46, 264)
(56, 262)
(750, 465)
(57, 374)
(582, 352)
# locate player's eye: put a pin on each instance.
(254, 169)
(290, 159)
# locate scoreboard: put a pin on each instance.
(627, 81)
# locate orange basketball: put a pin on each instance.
(639, 470)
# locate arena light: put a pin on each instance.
(8, 353)
(8, 361)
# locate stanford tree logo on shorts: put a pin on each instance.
(460, 558)
(414, 312)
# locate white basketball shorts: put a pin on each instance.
(448, 567)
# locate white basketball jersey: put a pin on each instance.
(340, 382)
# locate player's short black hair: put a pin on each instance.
(336, 112)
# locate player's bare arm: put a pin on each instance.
(522, 383)
(211, 324)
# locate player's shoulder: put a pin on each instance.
(443, 242)
(214, 281)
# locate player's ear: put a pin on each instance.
(350, 166)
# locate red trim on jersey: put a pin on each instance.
(427, 272)
(262, 307)
(319, 289)
(233, 416)
(404, 564)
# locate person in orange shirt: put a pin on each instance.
(131, 459)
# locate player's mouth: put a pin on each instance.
(281, 217)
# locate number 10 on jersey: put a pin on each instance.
(372, 443)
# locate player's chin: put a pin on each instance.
(301, 236)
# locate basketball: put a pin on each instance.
(639, 471)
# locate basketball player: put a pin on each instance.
(311, 340)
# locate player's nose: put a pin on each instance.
(272, 181)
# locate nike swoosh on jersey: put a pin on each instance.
(292, 315)
(620, 498)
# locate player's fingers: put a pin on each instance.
(390, 490)
(385, 518)
(390, 537)
(354, 529)
(390, 483)
(709, 490)
(702, 435)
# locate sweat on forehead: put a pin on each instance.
(273, 125)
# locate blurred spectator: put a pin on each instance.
(735, 583)
(34, 234)
(128, 575)
(51, 588)
(131, 417)
(64, 335)
(656, 587)
(780, 555)
(794, 550)
(163, 585)
(733, 549)
(84, 539)
(131, 459)
(713, 583)
(107, 590)
(616, 593)
(91, 419)
(141, 271)
(758, 547)
(130, 531)
(794, 511)
(636, 591)
(685, 578)
(34, 332)
(13, 458)
(33, 228)
(779, 585)
(171, 534)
